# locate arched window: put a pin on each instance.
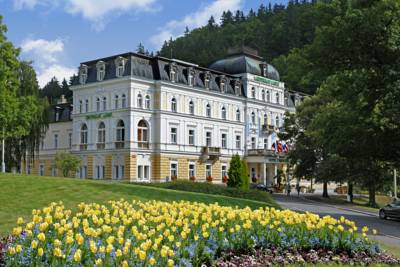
(277, 121)
(116, 101)
(223, 113)
(253, 92)
(87, 105)
(173, 104)
(147, 102)
(123, 99)
(80, 106)
(84, 136)
(191, 107)
(139, 101)
(143, 134)
(120, 68)
(268, 96)
(238, 115)
(208, 110)
(263, 95)
(101, 135)
(277, 98)
(265, 118)
(97, 104)
(253, 118)
(120, 134)
(104, 103)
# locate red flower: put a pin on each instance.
(209, 179)
(192, 178)
(225, 179)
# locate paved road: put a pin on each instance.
(388, 230)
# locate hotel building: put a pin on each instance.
(142, 118)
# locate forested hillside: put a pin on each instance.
(272, 30)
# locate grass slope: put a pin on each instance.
(22, 193)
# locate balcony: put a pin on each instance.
(210, 153)
(143, 144)
(262, 152)
(100, 146)
(268, 129)
(119, 144)
(83, 147)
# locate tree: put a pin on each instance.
(52, 91)
(140, 49)
(67, 163)
(234, 172)
(244, 177)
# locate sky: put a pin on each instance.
(56, 35)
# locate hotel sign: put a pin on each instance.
(266, 81)
(99, 116)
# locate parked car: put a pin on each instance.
(263, 188)
(391, 210)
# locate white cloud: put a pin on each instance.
(96, 11)
(46, 59)
(193, 20)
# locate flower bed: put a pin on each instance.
(171, 234)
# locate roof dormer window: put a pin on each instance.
(190, 76)
(120, 66)
(222, 84)
(237, 87)
(101, 70)
(264, 70)
(83, 70)
(173, 69)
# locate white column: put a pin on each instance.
(264, 166)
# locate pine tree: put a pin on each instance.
(245, 180)
(234, 172)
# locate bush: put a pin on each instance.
(234, 172)
(219, 189)
(67, 163)
(243, 175)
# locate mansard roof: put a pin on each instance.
(63, 109)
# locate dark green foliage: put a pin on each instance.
(215, 189)
(235, 172)
(244, 176)
(53, 91)
(67, 163)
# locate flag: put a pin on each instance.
(286, 148)
(279, 147)
(273, 147)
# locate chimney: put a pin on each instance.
(62, 100)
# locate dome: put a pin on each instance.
(245, 62)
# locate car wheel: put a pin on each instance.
(382, 214)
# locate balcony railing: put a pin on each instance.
(262, 152)
(119, 144)
(210, 153)
(101, 146)
(143, 144)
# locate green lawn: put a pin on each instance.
(22, 193)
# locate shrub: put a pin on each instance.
(243, 175)
(67, 163)
(234, 172)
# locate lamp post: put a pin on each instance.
(395, 183)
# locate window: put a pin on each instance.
(123, 100)
(147, 102)
(83, 172)
(57, 115)
(55, 141)
(207, 80)
(84, 134)
(119, 171)
(172, 74)
(253, 143)
(173, 133)
(253, 92)
(139, 101)
(265, 118)
(253, 173)
(263, 95)
(192, 170)
(277, 98)
(208, 139)
(120, 131)
(191, 137)
(265, 143)
(143, 172)
(80, 106)
(277, 121)
(69, 140)
(208, 170)
(97, 104)
(191, 107)
(104, 103)
(223, 140)
(100, 170)
(101, 69)
(101, 135)
(224, 171)
(238, 115)
(268, 96)
(253, 118)
(173, 104)
(238, 142)
(143, 134)
(208, 110)
(83, 74)
(223, 113)
(190, 77)
(120, 66)
(174, 170)
(222, 86)
(116, 101)
(87, 105)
